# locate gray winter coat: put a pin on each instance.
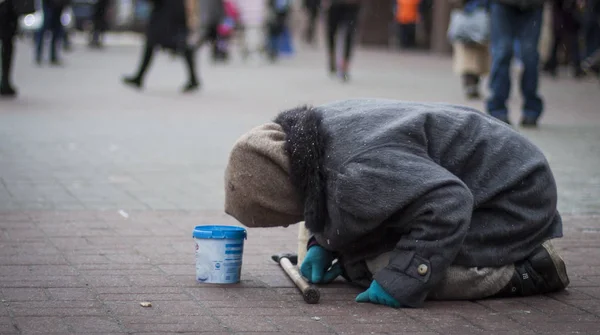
(436, 184)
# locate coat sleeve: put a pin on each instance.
(407, 192)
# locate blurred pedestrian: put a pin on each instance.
(9, 16)
(312, 8)
(471, 58)
(226, 30)
(341, 13)
(168, 28)
(566, 26)
(591, 31)
(52, 24)
(100, 23)
(277, 16)
(515, 20)
(212, 13)
(407, 15)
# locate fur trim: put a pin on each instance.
(305, 143)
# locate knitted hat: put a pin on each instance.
(258, 188)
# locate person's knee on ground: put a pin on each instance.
(543, 271)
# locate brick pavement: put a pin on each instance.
(76, 148)
(87, 272)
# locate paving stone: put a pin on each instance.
(240, 323)
(71, 294)
(85, 324)
(41, 325)
(41, 281)
(175, 324)
(108, 280)
(24, 294)
(143, 297)
(6, 326)
(300, 324)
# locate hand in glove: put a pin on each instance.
(377, 295)
(316, 264)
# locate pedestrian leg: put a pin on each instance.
(190, 62)
(333, 21)
(6, 88)
(502, 42)
(529, 29)
(137, 80)
(552, 62)
(351, 18)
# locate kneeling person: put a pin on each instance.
(415, 201)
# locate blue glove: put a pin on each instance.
(377, 295)
(316, 266)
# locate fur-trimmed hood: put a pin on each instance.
(305, 143)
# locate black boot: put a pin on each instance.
(190, 62)
(135, 82)
(6, 90)
(543, 271)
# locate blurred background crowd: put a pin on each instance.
(484, 36)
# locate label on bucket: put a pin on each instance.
(219, 261)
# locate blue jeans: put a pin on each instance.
(53, 24)
(509, 25)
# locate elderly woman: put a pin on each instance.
(413, 200)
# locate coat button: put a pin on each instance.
(422, 269)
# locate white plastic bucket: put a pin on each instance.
(219, 251)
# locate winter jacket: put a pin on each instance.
(407, 11)
(435, 184)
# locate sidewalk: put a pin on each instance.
(87, 272)
(101, 187)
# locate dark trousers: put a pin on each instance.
(8, 29)
(53, 25)
(99, 21)
(7, 57)
(341, 15)
(407, 33)
(148, 54)
(571, 41)
(313, 14)
(275, 29)
(509, 25)
(212, 36)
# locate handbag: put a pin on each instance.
(469, 27)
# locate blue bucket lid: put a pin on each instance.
(220, 232)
